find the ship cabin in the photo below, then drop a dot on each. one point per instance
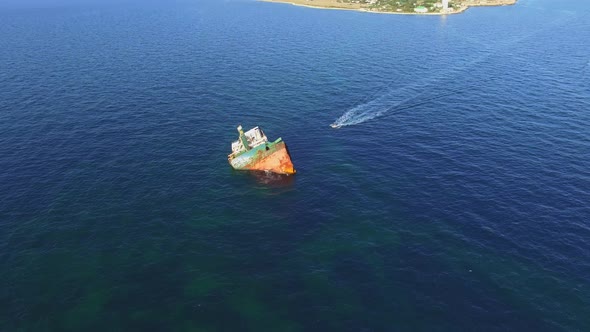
(247, 140)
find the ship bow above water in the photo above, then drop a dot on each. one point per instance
(254, 152)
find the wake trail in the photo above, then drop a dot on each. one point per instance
(396, 98)
(388, 99)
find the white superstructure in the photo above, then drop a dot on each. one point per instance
(254, 137)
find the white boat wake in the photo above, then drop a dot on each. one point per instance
(401, 98)
(378, 106)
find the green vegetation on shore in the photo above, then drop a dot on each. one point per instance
(402, 5)
(434, 7)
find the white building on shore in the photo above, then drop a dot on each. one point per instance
(421, 9)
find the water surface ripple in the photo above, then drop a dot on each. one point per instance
(454, 197)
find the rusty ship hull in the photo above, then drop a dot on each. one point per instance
(263, 156)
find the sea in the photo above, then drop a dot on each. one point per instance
(453, 196)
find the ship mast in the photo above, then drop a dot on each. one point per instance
(243, 138)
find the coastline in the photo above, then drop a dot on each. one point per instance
(359, 8)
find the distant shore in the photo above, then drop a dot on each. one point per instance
(337, 5)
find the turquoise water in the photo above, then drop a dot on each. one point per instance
(454, 197)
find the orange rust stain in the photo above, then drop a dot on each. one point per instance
(278, 162)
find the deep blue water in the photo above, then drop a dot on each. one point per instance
(454, 198)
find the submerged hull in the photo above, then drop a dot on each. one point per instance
(270, 156)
